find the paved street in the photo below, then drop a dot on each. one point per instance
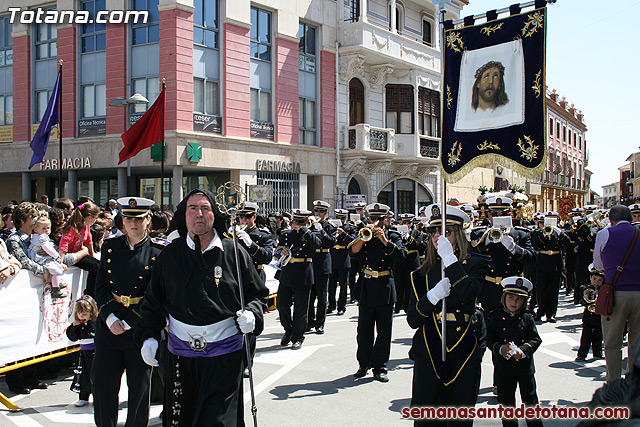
(315, 386)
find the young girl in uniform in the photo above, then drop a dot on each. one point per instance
(76, 239)
(513, 337)
(85, 314)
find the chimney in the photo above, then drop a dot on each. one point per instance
(553, 96)
(563, 103)
(580, 116)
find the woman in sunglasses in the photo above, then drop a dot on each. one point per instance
(452, 382)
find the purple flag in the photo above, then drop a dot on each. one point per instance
(50, 118)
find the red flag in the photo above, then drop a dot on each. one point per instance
(148, 130)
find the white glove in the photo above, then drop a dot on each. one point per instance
(508, 242)
(246, 321)
(111, 319)
(148, 351)
(445, 250)
(126, 325)
(244, 236)
(440, 291)
(318, 226)
(594, 230)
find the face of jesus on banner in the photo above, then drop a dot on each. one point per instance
(491, 88)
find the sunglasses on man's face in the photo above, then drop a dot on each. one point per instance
(319, 210)
(434, 230)
(246, 216)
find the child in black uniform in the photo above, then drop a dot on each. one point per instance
(85, 314)
(591, 326)
(513, 337)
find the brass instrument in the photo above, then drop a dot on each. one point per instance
(366, 233)
(589, 296)
(495, 235)
(547, 230)
(594, 219)
(282, 260)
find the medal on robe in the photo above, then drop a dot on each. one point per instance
(217, 274)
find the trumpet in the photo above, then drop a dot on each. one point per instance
(282, 260)
(495, 235)
(589, 296)
(366, 233)
(547, 230)
(594, 219)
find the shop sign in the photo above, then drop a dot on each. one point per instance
(68, 163)
(92, 127)
(6, 133)
(134, 117)
(206, 123)
(277, 166)
(262, 130)
(53, 135)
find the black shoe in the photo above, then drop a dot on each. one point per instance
(381, 376)
(320, 330)
(330, 310)
(599, 357)
(580, 359)
(23, 390)
(245, 373)
(361, 372)
(296, 345)
(551, 319)
(39, 386)
(340, 312)
(396, 311)
(286, 338)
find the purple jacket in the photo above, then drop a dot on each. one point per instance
(613, 252)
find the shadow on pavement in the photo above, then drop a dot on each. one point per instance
(292, 391)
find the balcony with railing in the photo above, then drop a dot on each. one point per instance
(378, 44)
(561, 181)
(369, 138)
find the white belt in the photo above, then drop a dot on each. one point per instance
(214, 332)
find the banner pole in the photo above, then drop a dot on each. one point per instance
(443, 185)
(162, 161)
(60, 185)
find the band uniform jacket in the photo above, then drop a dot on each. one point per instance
(586, 243)
(550, 249)
(123, 275)
(503, 262)
(339, 253)
(322, 256)
(302, 244)
(184, 285)
(378, 258)
(261, 248)
(466, 278)
(415, 244)
(519, 328)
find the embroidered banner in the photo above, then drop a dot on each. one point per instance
(494, 95)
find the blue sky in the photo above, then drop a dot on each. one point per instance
(593, 59)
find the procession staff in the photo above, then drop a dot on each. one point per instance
(378, 293)
(259, 244)
(195, 285)
(454, 382)
(402, 270)
(321, 266)
(355, 273)
(340, 263)
(508, 256)
(296, 278)
(123, 276)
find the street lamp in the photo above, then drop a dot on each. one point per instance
(136, 98)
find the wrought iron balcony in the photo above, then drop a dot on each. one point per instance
(368, 138)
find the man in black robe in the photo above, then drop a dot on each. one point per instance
(195, 284)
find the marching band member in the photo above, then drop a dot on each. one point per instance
(508, 256)
(355, 283)
(635, 214)
(586, 230)
(513, 337)
(378, 293)
(259, 244)
(321, 266)
(455, 381)
(195, 285)
(549, 243)
(123, 277)
(412, 241)
(296, 278)
(341, 263)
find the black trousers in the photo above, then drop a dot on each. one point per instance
(298, 297)
(108, 366)
(85, 376)
(17, 379)
(507, 393)
(591, 335)
(547, 288)
(317, 315)
(338, 275)
(374, 353)
(204, 391)
(582, 276)
(89, 264)
(402, 280)
(355, 282)
(570, 266)
(429, 391)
